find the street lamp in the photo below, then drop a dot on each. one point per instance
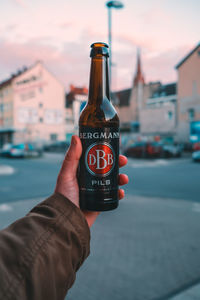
(110, 5)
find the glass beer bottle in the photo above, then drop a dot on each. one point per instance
(99, 134)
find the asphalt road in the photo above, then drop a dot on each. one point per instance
(176, 179)
(147, 249)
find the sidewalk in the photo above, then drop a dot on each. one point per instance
(144, 226)
(190, 294)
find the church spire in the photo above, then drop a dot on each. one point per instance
(139, 78)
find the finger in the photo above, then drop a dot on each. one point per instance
(121, 194)
(122, 160)
(123, 179)
(71, 160)
(91, 216)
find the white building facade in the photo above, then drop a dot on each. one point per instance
(159, 116)
(36, 107)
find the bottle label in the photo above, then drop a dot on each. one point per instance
(99, 160)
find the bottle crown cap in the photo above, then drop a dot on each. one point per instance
(99, 49)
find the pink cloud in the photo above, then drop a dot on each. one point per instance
(20, 3)
(156, 66)
(162, 65)
(157, 15)
(135, 41)
(70, 65)
(65, 25)
(11, 27)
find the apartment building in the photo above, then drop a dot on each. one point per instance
(32, 107)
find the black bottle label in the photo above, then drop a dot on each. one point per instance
(99, 165)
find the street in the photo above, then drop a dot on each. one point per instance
(147, 249)
(175, 178)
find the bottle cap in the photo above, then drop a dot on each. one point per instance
(100, 49)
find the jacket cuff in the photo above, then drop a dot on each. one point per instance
(75, 216)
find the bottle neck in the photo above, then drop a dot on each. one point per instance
(99, 81)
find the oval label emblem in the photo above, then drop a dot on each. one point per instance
(100, 159)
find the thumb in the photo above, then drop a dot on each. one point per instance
(71, 160)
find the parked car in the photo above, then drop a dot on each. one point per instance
(59, 146)
(196, 146)
(5, 151)
(172, 151)
(17, 151)
(144, 150)
(22, 150)
(196, 156)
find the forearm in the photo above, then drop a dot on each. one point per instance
(40, 253)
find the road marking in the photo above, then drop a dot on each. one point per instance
(6, 170)
(5, 207)
(143, 163)
(150, 164)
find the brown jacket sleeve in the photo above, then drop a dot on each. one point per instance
(40, 253)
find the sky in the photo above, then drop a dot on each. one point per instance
(60, 34)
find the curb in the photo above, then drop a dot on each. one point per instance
(191, 293)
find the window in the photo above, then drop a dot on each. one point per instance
(170, 115)
(31, 95)
(27, 96)
(41, 120)
(191, 114)
(53, 137)
(155, 95)
(23, 97)
(194, 88)
(5, 106)
(40, 104)
(40, 89)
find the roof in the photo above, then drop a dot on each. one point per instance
(70, 97)
(122, 98)
(165, 90)
(13, 76)
(5, 82)
(187, 56)
(78, 90)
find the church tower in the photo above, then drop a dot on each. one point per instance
(139, 78)
(133, 99)
(137, 93)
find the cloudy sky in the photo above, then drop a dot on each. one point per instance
(60, 33)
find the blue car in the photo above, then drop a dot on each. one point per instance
(21, 151)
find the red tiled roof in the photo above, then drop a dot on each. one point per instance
(70, 97)
(78, 90)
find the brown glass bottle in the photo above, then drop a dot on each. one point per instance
(99, 134)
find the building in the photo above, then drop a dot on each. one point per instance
(130, 102)
(159, 116)
(32, 107)
(189, 97)
(75, 102)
